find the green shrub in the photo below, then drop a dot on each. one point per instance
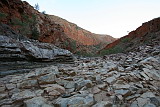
(116, 49)
(35, 34)
(3, 15)
(85, 54)
(73, 45)
(66, 43)
(36, 6)
(27, 26)
(25, 17)
(98, 46)
(125, 40)
(25, 29)
(33, 19)
(43, 12)
(16, 21)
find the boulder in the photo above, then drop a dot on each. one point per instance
(28, 84)
(110, 66)
(3, 95)
(123, 92)
(45, 79)
(110, 80)
(121, 86)
(142, 102)
(10, 86)
(55, 90)
(2, 88)
(120, 69)
(36, 102)
(23, 95)
(70, 84)
(95, 90)
(74, 101)
(43, 71)
(103, 104)
(81, 83)
(149, 105)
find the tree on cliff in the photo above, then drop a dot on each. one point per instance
(43, 12)
(36, 6)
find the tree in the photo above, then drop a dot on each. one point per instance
(36, 6)
(44, 12)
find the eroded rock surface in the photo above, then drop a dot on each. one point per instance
(12, 49)
(118, 80)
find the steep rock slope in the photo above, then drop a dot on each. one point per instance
(144, 34)
(81, 35)
(27, 21)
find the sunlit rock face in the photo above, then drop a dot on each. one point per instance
(24, 19)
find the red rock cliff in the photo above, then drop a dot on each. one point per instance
(139, 36)
(80, 35)
(48, 28)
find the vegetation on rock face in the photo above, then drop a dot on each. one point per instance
(125, 40)
(143, 35)
(85, 54)
(2, 15)
(121, 47)
(35, 34)
(34, 30)
(43, 12)
(27, 26)
(92, 53)
(73, 45)
(128, 44)
(116, 49)
(16, 21)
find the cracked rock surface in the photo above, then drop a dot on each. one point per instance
(118, 80)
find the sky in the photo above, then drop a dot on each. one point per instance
(113, 17)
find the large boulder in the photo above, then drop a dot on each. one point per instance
(36, 102)
(23, 95)
(78, 100)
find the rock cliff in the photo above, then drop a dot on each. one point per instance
(81, 35)
(144, 34)
(27, 21)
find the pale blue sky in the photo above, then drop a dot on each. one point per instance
(113, 17)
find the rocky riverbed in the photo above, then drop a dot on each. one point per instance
(119, 80)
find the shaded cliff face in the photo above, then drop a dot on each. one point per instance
(27, 21)
(144, 34)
